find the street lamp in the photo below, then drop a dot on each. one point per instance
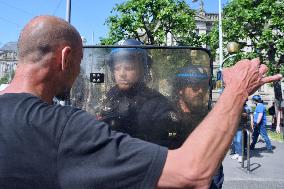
(220, 33)
(220, 37)
(232, 48)
(68, 11)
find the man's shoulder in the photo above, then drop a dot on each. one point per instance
(17, 98)
(34, 109)
(260, 107)
(158, 100)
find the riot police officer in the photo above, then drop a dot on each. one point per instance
(131, 106)
(192, 87)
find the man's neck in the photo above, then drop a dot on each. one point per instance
(29, 85)
(42, 96)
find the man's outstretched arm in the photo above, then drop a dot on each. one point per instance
(193, 165)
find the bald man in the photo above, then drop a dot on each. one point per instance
(50, 146)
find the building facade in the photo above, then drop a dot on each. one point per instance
(8, 62)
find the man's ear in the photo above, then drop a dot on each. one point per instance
(66, 57)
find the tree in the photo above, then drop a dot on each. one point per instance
(150, 21)
(259, 25)
(4, 79)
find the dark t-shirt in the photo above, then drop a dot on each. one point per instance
(50, 146)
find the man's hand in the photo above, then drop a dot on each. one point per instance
(248, 76)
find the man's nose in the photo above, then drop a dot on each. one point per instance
(122, 72)
(200, 90)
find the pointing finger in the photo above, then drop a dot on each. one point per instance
(271, 78)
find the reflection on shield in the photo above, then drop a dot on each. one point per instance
(158, 94)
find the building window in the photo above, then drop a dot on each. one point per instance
(197, 31)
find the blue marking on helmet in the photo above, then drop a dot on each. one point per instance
(193, 75)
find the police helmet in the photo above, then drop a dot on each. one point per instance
(256, 98)
(131, 55)
(191, 76)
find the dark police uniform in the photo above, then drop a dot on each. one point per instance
(143, 113)
(189, 121)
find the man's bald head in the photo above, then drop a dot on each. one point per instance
(43, 35)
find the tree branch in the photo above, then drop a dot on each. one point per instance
(148, 32)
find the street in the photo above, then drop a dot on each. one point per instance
(267, 169)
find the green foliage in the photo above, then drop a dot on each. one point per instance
(212, 40)
(239, 56)
(259, 24)
(168, 62)
(4, 79)
(278, 137)
(150, 21)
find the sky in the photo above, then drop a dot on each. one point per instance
(88, 16)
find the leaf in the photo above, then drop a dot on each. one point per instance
(154, 18)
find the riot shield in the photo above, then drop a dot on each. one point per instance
(157, 94)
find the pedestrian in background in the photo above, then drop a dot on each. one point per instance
(259, 122)
(237, 142)
(280, 124)
(272, 112)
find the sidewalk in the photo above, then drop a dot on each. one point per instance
(267, 169)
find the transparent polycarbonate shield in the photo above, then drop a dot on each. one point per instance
(158, 94)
